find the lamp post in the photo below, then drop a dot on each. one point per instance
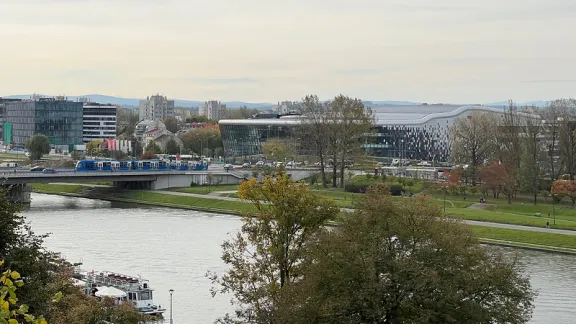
(171, 291)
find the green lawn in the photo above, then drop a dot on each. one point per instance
(526, 237)
(509, 218)
(56, 188)
(203, 190)
(187, 202)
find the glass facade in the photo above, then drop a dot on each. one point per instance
(247, 140)
(59, 120)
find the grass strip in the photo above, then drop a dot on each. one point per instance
(187, 202)
(56, 188)
(508, 218)
(526, 238)
(203, 190)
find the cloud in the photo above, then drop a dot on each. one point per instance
(359, 71)
(193, 80)
(549, 81)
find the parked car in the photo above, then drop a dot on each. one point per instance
(37, 169)
(246, 165)
(48, 170)
(260, 163)
(228, 166)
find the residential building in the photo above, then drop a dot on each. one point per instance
(418, 132)
(117, 145)
(3, 102)
(99, 121)
(57, 118)
(211, 109)
(285, 107)
(156, 107)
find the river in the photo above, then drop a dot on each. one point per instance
(175, 248)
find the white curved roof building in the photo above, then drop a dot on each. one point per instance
(419, 132)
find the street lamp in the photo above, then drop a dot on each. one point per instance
(171, 291)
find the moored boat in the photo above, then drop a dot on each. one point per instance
(121, 288)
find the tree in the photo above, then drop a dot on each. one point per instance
(392, 262)
(76, 155)
(267, 255)
(10, 281)
(278, 150)
(153, 148)
(314, 130)
(566, 133)
(38, 145)
(530, 171)
(564, 188)
(22, 249)
(498, 178)
(472, 140)
(93, 146)
(171, 124)
(196, 140)
(353, 120)
(172, 147)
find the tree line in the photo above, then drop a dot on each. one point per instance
(522, 150)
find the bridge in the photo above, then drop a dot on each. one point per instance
(19, 191)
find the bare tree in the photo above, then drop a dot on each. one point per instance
(472, 139)
(552, 120)
(314, 130)
(533, 149)
(566, 142)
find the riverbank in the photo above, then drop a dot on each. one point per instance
(522, 237)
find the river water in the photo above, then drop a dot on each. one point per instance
(175, 248)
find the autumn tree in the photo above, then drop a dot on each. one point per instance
(195, 140)
(266, 256)
(498, 178)
(565, 188)
(393, 262)
(473, 140)
(278, 150)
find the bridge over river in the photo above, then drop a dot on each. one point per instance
(18, 180)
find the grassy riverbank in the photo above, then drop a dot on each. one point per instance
(514, 237)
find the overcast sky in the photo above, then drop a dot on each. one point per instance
(458, 51)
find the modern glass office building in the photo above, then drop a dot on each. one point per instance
(419, 132)
(59, 119)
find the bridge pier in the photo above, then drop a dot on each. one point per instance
(19, 193)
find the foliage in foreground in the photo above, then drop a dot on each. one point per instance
(48, 289)
(268, 254)
(389, 262)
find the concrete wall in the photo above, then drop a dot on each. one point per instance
(174, 181)
(19, 193)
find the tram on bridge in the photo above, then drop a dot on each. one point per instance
(139, 165)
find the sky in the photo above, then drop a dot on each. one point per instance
(441, 51)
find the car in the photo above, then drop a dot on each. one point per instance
(37, 169)
(228, 166)
(245, 165)
(260, 163)
(48, 170)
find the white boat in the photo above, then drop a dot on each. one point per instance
(121, 288)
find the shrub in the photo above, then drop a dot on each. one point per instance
(356, 187)
(396, 190)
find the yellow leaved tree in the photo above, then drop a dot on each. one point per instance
(10, 281)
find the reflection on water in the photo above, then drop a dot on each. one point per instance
(174, 249)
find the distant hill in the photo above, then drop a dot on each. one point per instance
(537, 103)
(134, 102)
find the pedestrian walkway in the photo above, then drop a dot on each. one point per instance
(469, 222)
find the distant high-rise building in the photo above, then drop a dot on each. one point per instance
(57, 118)
(3, 102)
(285, 107)
(211, 109)
(99, 121)
(156, 107)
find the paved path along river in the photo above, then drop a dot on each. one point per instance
(174, 249)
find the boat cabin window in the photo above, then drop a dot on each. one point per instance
(145, 295)
(132, 296)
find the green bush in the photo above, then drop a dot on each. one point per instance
(396, 190)
(356, 187)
